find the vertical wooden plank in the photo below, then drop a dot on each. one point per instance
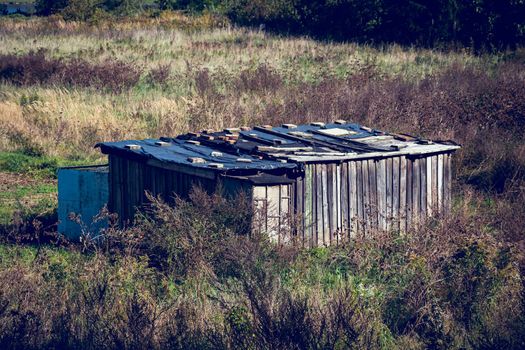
(169, 185)
(265, 212)
(440, 183)
(273, 199)
(138, 188)
(323, 224)
(122, 199)
(146, 181)
(124, 188)
(327, 194)
(158, 181)
(335, 207)
(118, 188)
(112, 184)
(430, 203)
(339, 210)
(366, 197)
(372, 173)
(308, 205)
(123, 192)
(313, 206)
(409, 204)
(299, 209)
(446, 193)
(259, 199)
(445, 156)
(435, 203)
(153, 174)
(153, 181)
(381, 193)
(142, 182)
(402, 193)
(132, 189)
(423, 184)
(329, 223)
(284, 197)
(389, 193)
(416, 191)
(360, 196)
(396, 195)
(292, 228)
(315, 202)
(354, 198)
(345, 199)
(279, 214)
(332, 201)
(448, 188)
(301, 199)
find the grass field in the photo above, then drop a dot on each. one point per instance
(188, 281)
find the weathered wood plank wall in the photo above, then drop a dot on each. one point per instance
(274, 211)
(129, 180)
(332, 202)
(335, 201)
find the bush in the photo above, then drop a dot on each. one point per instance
(86, 9)
(36, 68)
(80, 9)
(262, 79)
(189, 239)
(159, 75)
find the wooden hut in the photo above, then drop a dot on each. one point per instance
(332, 179)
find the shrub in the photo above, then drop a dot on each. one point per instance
(29, 69)
(110, 75)
(80, 9)
(35, 68)
(188, 239)
(159, 75)
(261, 79)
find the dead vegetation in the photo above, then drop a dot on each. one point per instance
(184, 279)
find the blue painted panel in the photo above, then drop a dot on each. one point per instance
(82, 191)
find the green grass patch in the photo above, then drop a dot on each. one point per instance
(29, 200)
(41, 167)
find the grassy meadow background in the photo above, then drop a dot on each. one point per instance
(186, 279)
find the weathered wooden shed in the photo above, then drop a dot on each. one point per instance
(329, 180)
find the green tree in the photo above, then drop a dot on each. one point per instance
(81, 9)
(49, 7)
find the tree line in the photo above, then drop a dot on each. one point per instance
(481, 24)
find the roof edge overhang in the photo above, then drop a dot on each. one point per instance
(439, 149)
(262, 179)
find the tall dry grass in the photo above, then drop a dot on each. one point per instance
(222, 77)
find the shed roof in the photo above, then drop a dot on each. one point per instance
(267, 148)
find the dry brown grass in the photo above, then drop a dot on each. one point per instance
(222, 77)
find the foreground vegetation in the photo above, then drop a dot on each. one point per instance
(187, 279)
